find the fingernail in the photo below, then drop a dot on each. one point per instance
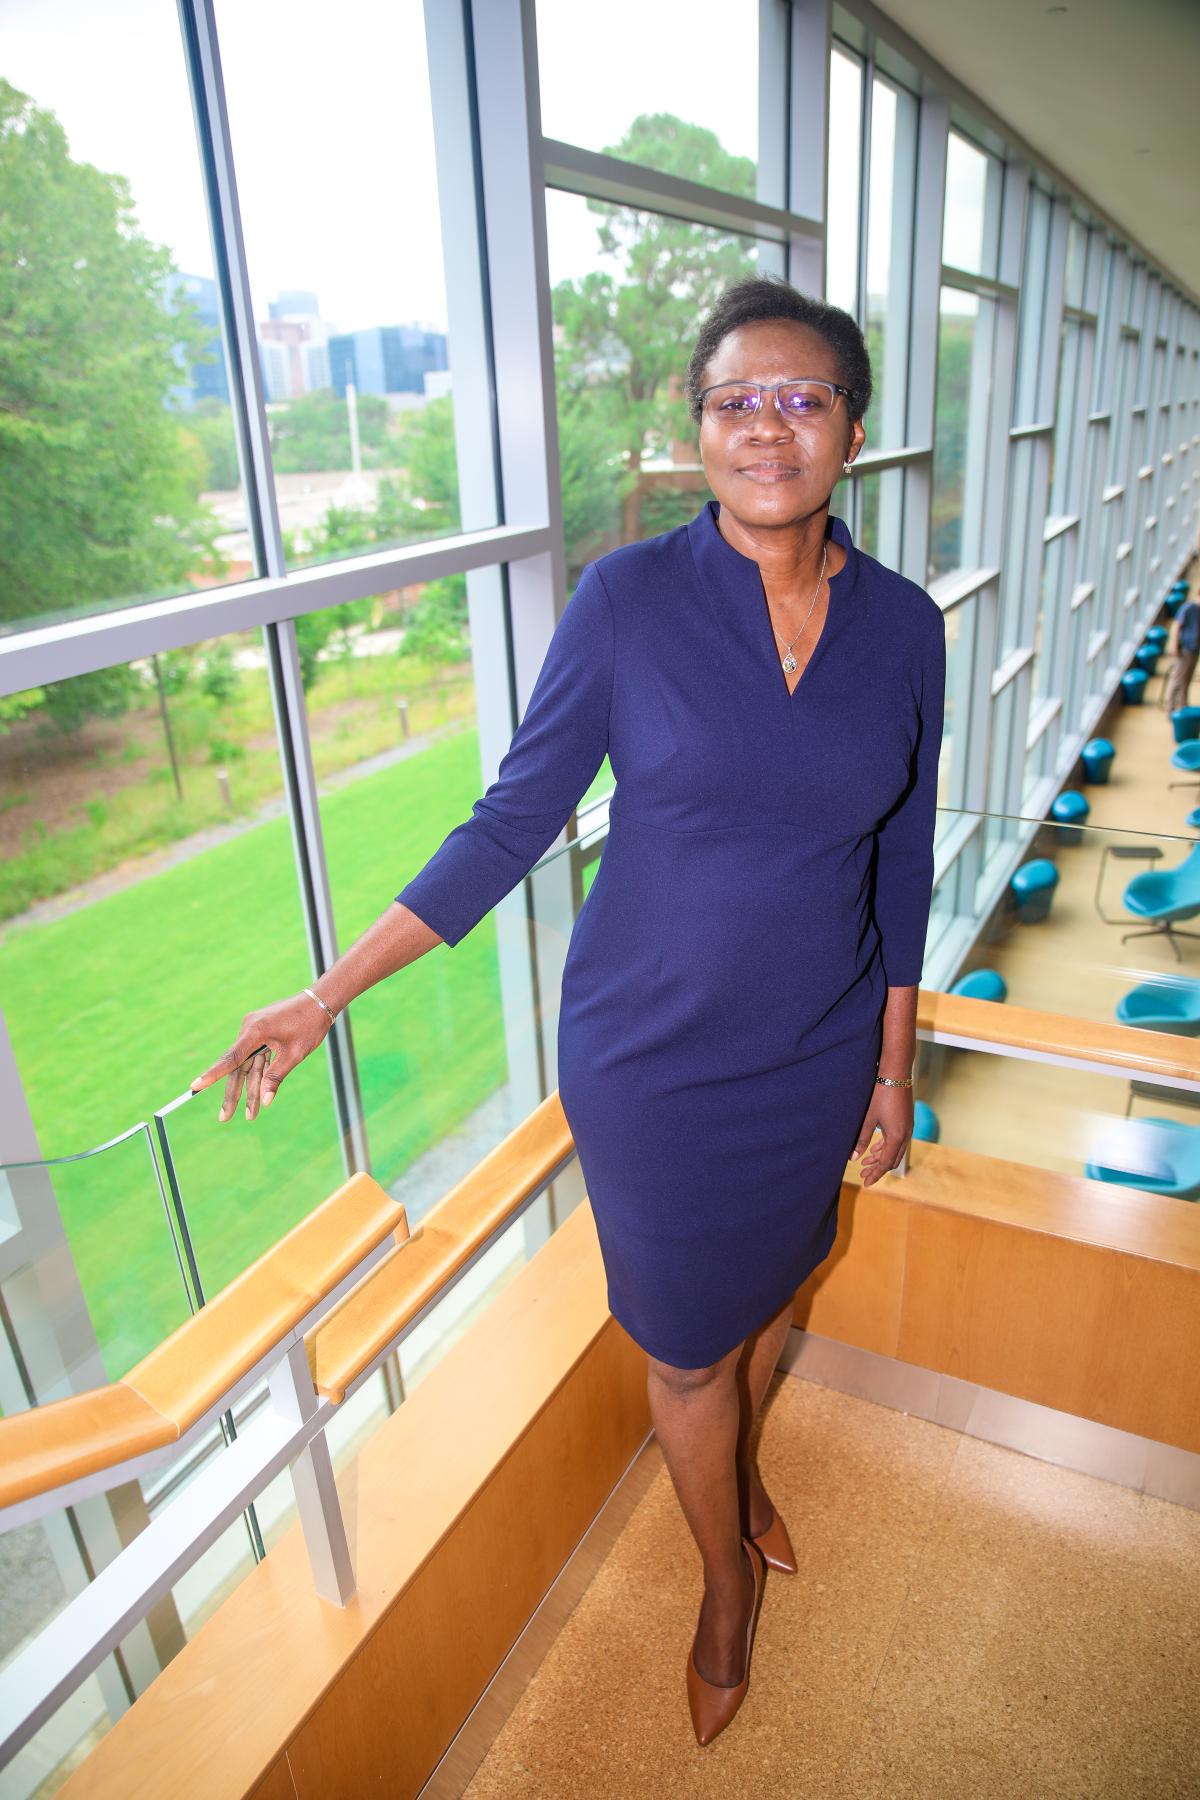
(222, 1115)
(267, 1098)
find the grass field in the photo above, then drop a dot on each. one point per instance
(115, 1008)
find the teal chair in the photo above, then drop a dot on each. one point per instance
(925, 1122)
(1069, 811)
(1158, 1155)
(1156, 635)
(982, 984)
(1133, 686)
(1186, 757)
(1097, 758)
(1185, 723)
(1164, 897)
(1033, 886)
(1147, 658)
(1171, 1006)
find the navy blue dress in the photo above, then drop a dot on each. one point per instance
(767, 873)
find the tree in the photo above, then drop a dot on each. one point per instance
(210, 424)
(312, 432)
(423, 499)
(98, 501)
(622, 334)
(435, 628)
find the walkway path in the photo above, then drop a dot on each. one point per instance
(140, 868)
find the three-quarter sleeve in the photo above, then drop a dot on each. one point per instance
(904, 857)
(549, 765)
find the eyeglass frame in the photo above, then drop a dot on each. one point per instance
(773, 387)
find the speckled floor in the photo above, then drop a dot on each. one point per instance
(967, 1622)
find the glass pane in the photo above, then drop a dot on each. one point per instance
(960, 430)
(971, 233)
(113, 490)
(1026, 396)
(889, 258)
(961, 626)
(879, 516)
(104, 1286)
(842, 206)
(664, 106)
(448, 1050)
(629, 288)
(350, 310)
(1077, 243)
(149, 889)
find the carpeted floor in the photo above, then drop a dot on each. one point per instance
(967, 1622)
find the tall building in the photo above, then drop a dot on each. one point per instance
(386, 359)
(292, 303)
(206, 377)
(275, 361)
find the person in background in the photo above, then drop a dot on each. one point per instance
(1183, 644)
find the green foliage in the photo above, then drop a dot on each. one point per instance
(425, 500)
(210, 425)
(312, 432)
(218, 675)
(106, 695)
(98, 500)
(623, 335)
(435, 628)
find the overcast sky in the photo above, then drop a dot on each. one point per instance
(329, 112)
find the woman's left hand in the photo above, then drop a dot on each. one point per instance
(892, 1110)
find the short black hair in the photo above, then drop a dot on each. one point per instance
(760, 297)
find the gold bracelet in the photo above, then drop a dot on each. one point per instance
(891, 1080)
(320, 1003)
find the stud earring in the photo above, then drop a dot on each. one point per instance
(846, 468)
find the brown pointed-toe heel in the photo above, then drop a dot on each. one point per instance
(711, 1705)
(776, 1546)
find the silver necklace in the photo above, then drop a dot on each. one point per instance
(789, 661)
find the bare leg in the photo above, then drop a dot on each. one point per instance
(760, 1355)
(696, 1420)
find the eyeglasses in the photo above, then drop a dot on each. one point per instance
(732, 402)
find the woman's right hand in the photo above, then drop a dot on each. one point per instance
(269, 1046)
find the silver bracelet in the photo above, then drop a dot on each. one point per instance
(320, 1002)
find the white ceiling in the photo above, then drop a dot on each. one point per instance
(1107, 90)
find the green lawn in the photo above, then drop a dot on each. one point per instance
(115, 1008)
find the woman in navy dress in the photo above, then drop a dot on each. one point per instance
(738, 1011)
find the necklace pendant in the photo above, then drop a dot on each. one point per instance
(789, 662)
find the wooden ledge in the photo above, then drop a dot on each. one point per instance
(176, 1384)
(1098, 1213)
(354, 1333)
(208, 1354)
(1021, 1027)
(68, 1439)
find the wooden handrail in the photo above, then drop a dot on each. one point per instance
(358, 1330)
(173, 1387)
(1124, 1047)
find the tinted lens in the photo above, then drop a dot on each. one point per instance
(733, 401)
(804, 399)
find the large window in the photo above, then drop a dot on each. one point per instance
(150, 900)
(348, 289)
(673, 103)
(889, 258)
(628, 289)
(960, 430)
(120, 460)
